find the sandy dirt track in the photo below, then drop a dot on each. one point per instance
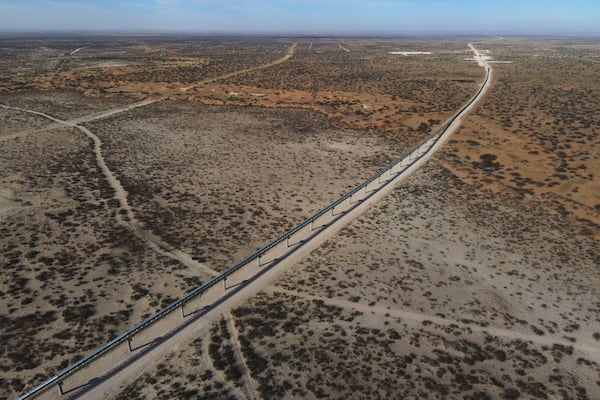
(290, 53)
(153, 241)
(589, 349)
(249, 383)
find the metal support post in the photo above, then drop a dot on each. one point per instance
(311, 226)
(332, 211)
(258, 261)
(129, 345)
(182, 311)
(225, 283)
(287, 241)
(60, 388)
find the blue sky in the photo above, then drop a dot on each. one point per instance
(304, 16)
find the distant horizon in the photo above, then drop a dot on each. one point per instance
(284, 34)
(303, 17)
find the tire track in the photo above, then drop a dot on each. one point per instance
(220, 376)
(290, 53)
(420, 317)
(153, 241)
(249, 383)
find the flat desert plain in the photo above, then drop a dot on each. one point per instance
(478, 277)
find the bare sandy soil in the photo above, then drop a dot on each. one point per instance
(219, 182)
(459, 285)
(438, 292)
(65, 260)
(59, 103)
(452, 287)
(538, 130)
(16, 124)
(435, 293)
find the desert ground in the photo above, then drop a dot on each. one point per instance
(477, 278)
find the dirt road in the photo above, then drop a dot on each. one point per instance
(290, 53)
(343, 48)
(152, 240)
(549, 340)
(78, 50)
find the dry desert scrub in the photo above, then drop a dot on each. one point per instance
(218, 182)
(477, 278)
(72, 277)
(537, 130)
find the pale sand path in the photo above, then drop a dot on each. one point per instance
(343, 48)
(247, 282)
(588, 348)
(290, 53)
(118, 110)
(220, 376)
(154, 242)
(113, 111)
(249, 383)
(61, 122)
(78, 50)
(73, 122)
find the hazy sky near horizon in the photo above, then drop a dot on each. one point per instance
(304, 16)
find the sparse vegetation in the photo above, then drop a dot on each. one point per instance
(477, 278)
